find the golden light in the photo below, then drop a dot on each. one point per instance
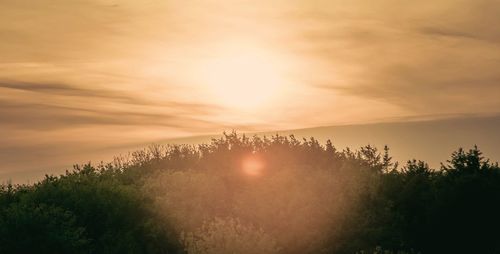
(253, 166)
(242, 78)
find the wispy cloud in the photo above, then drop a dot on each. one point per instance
(425, 58)
(99, 94)
(54, 117)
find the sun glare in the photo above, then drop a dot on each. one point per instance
(243, 78)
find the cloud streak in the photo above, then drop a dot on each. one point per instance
(120, 96)
(424, 58)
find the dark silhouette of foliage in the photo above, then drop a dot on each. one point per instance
(86, 211)
(370, 205)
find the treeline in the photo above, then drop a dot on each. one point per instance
(307, 198)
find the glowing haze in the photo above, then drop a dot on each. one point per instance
(79, 76)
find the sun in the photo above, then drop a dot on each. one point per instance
(242, 78)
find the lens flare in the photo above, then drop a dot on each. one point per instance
(252, 166)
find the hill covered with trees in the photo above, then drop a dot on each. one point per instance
(258, 195)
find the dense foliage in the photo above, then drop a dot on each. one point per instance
(308, 198)
(87, 211)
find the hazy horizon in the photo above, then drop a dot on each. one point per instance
(430, 140)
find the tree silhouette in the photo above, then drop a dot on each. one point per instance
(312, 198)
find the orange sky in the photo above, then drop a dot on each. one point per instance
(106, 73)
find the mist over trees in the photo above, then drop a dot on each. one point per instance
(306, 197)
